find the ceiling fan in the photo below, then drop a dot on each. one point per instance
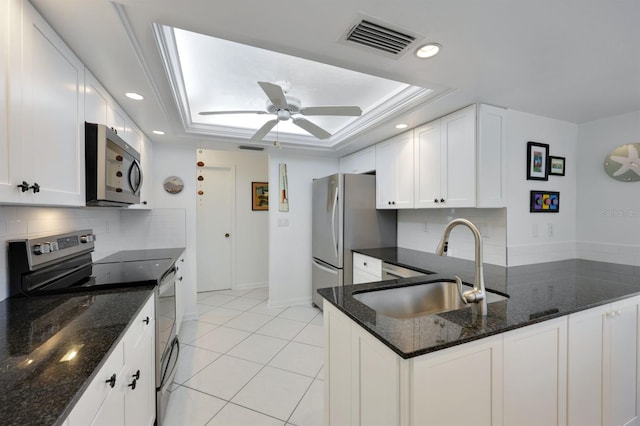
(285, 107)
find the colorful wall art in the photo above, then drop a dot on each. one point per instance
(544, 202)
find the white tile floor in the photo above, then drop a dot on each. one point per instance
(244, 363)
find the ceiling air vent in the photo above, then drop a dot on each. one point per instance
(251, 148)
(379, 37)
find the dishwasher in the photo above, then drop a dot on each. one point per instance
(392, 272)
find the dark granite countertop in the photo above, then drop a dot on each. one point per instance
(536, 293)
(38, 388)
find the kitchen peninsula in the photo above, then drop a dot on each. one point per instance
(566, 338)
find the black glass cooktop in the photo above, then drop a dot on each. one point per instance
(129, 273)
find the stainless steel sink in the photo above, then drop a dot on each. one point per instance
(418, 299)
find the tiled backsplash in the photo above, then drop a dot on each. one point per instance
(115, 229)
(421, 229)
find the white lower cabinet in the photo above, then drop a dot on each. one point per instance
(580, 369)
(128, 398)
(458, 386)
(366, 269)
(369, 384)
(603, 386)
(534, 374)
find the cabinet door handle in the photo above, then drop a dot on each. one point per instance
(137, 375)
(35, 187)
(132, 385)
(146, 320)
(111, 380)
(24, 186)
(435, 200)
(442, 200)
(180, 279)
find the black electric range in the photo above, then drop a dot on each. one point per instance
(62, 263)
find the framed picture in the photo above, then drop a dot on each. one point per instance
(259, 195)
(537, 161)
(556, 166)
(544, 202)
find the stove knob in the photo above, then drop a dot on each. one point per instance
(89, 238)
(54, 246)
(43, 248)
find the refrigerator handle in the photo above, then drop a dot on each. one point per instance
(324, 268)
(333, 220)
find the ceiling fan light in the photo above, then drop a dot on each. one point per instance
(428, 50)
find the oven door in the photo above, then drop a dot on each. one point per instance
(165, 317)
(167, 346)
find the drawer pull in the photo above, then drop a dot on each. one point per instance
(146, 320)
(111, 380)
(137, 375)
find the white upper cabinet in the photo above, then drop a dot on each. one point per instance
(6, 184)
(394, 172)
(428, 159)
(96, 100)
(445, 161)
(363, 161)
(492, 156)
(46, 113)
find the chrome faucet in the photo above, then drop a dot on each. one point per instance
(476, 296)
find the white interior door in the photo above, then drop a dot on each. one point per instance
(215, 228)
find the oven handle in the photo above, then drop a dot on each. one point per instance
(168, 273)
(175, 345)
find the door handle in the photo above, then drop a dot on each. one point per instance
(227, 235)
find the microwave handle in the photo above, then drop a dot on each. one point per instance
(136, 164)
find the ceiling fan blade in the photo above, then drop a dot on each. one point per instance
(349, 111)
(314, 129)
(262, 131)
(231, 112)
(275, 94)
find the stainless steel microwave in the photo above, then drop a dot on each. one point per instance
(113, 171)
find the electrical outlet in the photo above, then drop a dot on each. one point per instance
(534, 230)
(549, 230)
(283, 222)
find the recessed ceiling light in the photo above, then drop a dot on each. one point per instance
(158, 132)
(402, 126)
(135, 96)
(428, 50)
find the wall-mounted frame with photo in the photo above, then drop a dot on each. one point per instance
(556, 165)
(259, 195)
(537, 161)
(544, 202)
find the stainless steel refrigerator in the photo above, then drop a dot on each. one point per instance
(345, 218)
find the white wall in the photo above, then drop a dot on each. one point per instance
(608, 211)
(32, 222)
(290, 233)
(251, 228)
(556, 232)
(169, 160)
(422, 229)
